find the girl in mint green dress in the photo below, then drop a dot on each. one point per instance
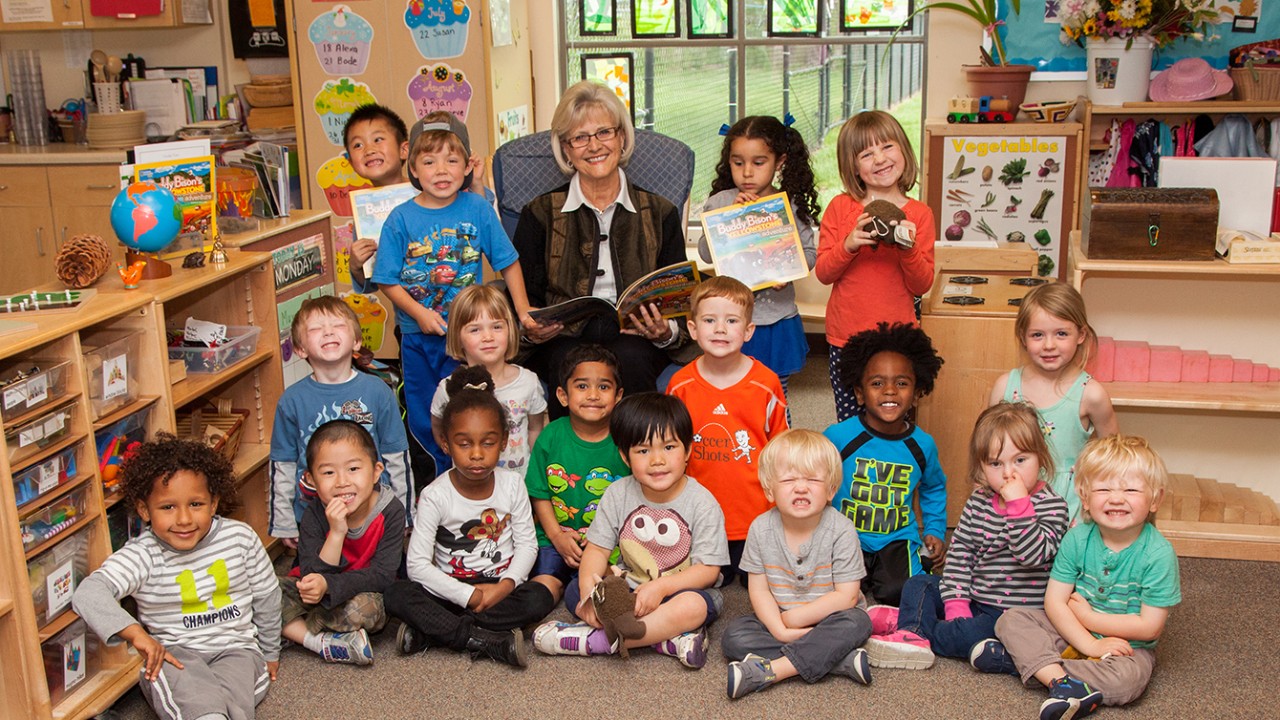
(1073, 407)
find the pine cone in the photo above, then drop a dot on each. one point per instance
(82, 260)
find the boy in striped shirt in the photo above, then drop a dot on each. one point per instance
(805, 566)
(208, 626)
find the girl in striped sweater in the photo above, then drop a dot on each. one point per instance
(1001, 551)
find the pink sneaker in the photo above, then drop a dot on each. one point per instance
(884, 619)
(900, 649)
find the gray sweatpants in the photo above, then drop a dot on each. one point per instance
(1033, 643)
(813, 655)
(229, 683)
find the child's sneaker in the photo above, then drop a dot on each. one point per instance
(348, 647)
(561, 638)
(884, 619)
(504, 646)
(855, 665)
(689, 648)
(748, 675)
(409, 641)
(902, 649)
(989, 656)
(1069, 698)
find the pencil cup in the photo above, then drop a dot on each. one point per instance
(108, 96)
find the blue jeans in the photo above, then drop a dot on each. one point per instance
(813, 655)
(922, 613)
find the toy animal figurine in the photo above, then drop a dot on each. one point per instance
(193, 260)
(615, 607)
(883, 216)
(132, 274)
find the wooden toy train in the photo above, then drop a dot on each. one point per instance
(983, 109)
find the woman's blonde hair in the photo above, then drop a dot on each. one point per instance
(1119, 455)
(576, 103)
(473, 302)
(1059, 300)
(802, 451)
(867, 128)
(1021, 425)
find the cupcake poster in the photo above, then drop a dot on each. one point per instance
(336, 101)
(438, 27)
(440, 87)
(341, 39)
(337, 179)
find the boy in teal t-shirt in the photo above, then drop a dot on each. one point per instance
(573, 461)
(1110, 591)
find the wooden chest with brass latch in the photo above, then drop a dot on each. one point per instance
(1149, 223)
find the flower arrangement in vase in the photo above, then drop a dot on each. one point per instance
(1160, 21)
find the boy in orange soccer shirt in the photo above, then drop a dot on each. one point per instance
(737, 406)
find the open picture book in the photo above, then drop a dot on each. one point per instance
(669, 288)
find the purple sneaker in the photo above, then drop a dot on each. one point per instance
(689, 648)
(560, 638)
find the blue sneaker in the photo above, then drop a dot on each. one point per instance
(989, 656)
(1069, 698)
(348, 647)
(748, 675)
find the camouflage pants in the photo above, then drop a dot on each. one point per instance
(365, 610)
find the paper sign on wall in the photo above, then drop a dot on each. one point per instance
(341, 38)
(337, 179)
(440, 87)
(372, 316)
(336, 101)
(439, 27)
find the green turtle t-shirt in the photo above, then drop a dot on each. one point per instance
(572, 473)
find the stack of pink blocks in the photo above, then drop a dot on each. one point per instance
(1137, 361)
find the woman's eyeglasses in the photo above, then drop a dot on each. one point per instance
(582, 140)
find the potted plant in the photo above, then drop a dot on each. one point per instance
(995, 77)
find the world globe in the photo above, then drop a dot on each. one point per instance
(146, 217)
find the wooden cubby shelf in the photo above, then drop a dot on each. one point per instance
(239, 293)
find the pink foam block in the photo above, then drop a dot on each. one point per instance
(1241, 370)
(1220, 368)
(1195, 366)
(1102, 365)
(1133, 361)
(1260, 372)
(1166, 363)
(1273, 374)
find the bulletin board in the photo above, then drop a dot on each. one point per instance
(1031, 38)
(956, 179)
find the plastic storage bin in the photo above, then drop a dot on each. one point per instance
(55, 574)
(54, 520)
(242, 341)
(111, 368)
(35, 389)
(32, 437)
(114, 440)
(46, 475)
(70, 659)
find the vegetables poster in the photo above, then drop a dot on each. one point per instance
(1007, 189)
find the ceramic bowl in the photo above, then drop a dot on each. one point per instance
(1048, 112)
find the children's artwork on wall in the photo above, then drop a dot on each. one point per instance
(500, 22)
(337, 179)
(655, 18)
(614, 71)
(794, 18)
(341, 38)
(440, 87)
(343, 237)
(597, 17)
(863, 15)
(513, 123)
(336, 101)
(257, 28)
(710, 18)
(439, 27)
(372, 316)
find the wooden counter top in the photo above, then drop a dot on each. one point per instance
(58, 154)
(269, 228)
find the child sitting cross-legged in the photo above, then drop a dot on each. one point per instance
(1112, 585)
(348, 551)
(805, 566)
(670, 534)
(473, 544)
(1001, 551)
(208, 619)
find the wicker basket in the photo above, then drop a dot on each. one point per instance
(1256, 83)
(275, 95)
(219, 426)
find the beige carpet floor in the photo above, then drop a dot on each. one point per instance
(1214, 661)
